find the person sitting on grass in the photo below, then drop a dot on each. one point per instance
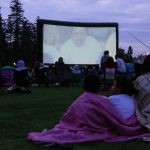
(122, 99)
(142, 97)
(91, 117)
(20, 79)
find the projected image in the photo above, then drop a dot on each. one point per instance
(77, 45)
(51, 51)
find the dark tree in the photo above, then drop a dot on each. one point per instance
(27, 39)
(35, 50)
(18, 36)
(14, 27)
(2, 40)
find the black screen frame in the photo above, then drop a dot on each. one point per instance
(41, 22)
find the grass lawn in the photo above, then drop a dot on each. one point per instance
(22, 113)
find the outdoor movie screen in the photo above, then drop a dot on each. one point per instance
(77, 43)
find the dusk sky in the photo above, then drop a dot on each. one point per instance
(133, 16)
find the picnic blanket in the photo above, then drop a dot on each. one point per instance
(91, 118)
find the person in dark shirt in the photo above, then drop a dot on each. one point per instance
(104, 57)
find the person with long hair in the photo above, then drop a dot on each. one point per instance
(142, 98)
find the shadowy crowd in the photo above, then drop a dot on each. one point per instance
(23, 78)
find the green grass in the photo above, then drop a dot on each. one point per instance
(22, 113)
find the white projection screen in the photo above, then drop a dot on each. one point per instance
(76, 42)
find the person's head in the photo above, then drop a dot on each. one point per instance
(146, 64)
(110, 60)
(123, 85)
(78, 36)
(91, 83)
(106, 53)
(20, 63)
(60, 60)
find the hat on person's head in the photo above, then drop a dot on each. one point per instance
(106, 52)
(20, 63)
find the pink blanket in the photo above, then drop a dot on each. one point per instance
(91, 118)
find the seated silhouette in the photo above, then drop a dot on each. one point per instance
(63, 73)
(21, 81)
(40, 76)
(109, 72)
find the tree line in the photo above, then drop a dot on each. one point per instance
(18, 36)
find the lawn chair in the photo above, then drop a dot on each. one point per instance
(6, 76)
(108, 78)
(21, 82)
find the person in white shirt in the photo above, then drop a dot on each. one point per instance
(80, 48)
(121, 64)
(122, 100)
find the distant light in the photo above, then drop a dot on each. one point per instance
(145, 53)
(14, 64)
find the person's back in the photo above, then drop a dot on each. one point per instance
(123, 100)
(104, 57)
(21, 79)
(60, 66)
(109, 70)
(121, 64)
(63, 72)
(124, 104)
(41, 75)
(109, 64)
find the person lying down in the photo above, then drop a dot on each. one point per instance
(91, 117)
